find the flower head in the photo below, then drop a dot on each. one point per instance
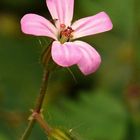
(66, 52)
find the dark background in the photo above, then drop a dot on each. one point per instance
(102, 106)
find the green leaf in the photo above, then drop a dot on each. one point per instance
(2, 137)
(96, 116)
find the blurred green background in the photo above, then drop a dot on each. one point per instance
(102, 106)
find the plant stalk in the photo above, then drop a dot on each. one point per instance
(38, 106)
(47, 129)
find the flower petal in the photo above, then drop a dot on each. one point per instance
(92, 25)
(90, 59)
(37, 25)
(61, 10)
(66, 54)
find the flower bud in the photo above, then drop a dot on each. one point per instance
(57, 134)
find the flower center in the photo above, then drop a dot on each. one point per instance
(65, 33)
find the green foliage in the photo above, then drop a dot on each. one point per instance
(111, 113)
(3, 137)
(95, 116)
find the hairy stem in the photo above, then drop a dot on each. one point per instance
(38, 105)
(42, 91)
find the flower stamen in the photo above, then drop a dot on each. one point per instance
(66, 33)
(62, 26)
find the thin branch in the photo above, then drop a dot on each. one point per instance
(38, 106)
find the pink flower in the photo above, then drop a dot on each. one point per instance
(65, 51)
